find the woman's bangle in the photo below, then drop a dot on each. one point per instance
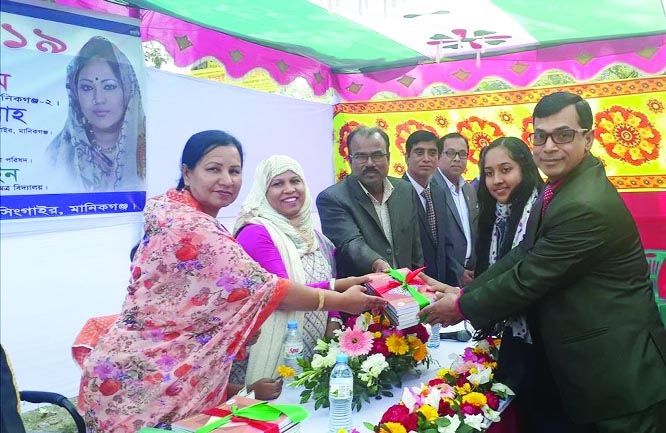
(321, 300)
(336, 320)
(331, 284)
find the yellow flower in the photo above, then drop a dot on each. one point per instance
(473, 370)
(465, 389)
(429, 412)
(475, 399)
(420, 351)
(386, 322)
(285, 372)
(441, 374)
(392, 427)
(377, 334)
(397, 344)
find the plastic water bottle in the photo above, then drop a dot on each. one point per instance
(433, 340)
(293, 346)
(340, 393)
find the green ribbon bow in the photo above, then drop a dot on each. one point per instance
(420, 299)
(260, 412)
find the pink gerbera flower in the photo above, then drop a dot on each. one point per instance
(355, 342)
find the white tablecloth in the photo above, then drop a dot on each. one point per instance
(372, 412)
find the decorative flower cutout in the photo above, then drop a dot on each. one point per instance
(627, 135)
(480, 133)
(342, 174)
(442, 122)
(381, 123)
(403, 130)
(655, 105)
(528, 128)
(399, 168)
(346, 129)
(506, 117)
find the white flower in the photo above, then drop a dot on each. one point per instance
(490, 414)
(501, 389)
(321, 346)
(318, 361)
(481, 377)
(330, 358)
(451, 428)
(474, 421)
(374, 364)
(409, 397)
(433, 397)
(483, 345)
(361, 323)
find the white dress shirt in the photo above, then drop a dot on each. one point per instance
(463, 211)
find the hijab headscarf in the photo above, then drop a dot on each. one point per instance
(257, 210)
(74, 153)
(293, 239)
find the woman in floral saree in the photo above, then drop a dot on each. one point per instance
(194, 299)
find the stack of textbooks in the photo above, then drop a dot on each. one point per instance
(194, 423)
(402, 308)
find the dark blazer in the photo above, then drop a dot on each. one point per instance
(581, 273)
(454, 223)
(436, 252)
(349, 220)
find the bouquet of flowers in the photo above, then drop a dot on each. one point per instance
(379, 354)
(461, 399)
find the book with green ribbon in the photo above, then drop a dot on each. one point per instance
(405, 292)
(244, 415)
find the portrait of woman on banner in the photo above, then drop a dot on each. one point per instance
(102, 146)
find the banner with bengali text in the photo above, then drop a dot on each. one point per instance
(629, 123)
(72, 124)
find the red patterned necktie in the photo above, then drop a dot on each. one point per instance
(547, 197)
(430, 212)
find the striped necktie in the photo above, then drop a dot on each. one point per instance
(547, 197)
(430, 212)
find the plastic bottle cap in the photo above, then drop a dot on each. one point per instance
(292, 324)
(342, 358)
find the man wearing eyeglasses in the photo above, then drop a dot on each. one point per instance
(462, 203)
(371, 217)
(581, 277)
(423, 153)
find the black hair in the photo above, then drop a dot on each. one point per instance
(203, 142)
(555, 102)
(365, 131)
(521, 154)
(420, 137)
(453, 135)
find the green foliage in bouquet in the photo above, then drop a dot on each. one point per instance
(379, 355)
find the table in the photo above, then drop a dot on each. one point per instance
(373, 411)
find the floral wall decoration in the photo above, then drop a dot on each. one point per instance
(629, 125)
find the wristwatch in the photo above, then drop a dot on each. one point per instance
(336, 320)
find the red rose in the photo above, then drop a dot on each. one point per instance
(379, 346)
(375, 327)
(470, 409)
(400, 414)
(493, 400)
(445, 409)
(187, 252)
(461, 381)
(420, 331)
(174, 389)
(237, 295)
(435, 382)
(109, 387)
(182, 370)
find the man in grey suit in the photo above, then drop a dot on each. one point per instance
(369, 216)
(423, 153)
(461, 201)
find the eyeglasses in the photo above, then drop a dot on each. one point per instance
(561, 136)
(433, 153)
(363, 157)
(451, 153)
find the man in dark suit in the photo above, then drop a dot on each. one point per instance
(462, 203)
(582, 277)
(423, 153)
(369, 216)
